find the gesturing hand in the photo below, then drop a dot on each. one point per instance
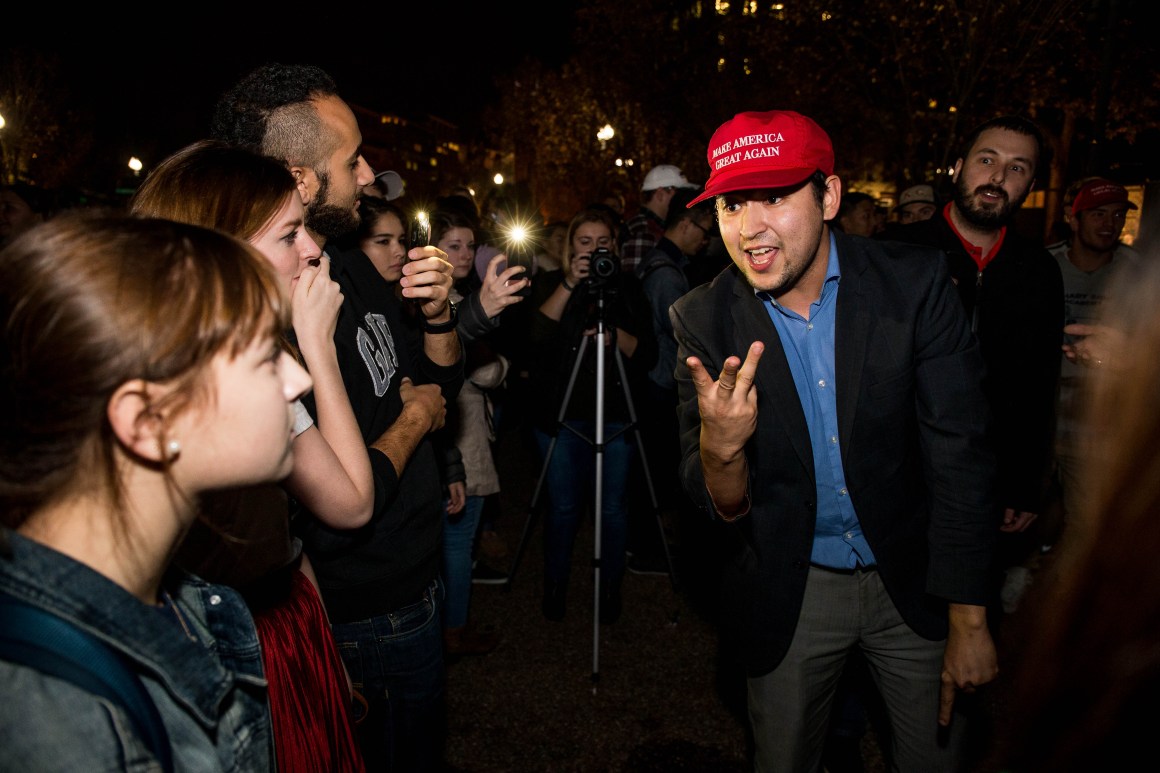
(1095, 346)
(728, 406)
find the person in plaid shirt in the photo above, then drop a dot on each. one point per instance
(647, 226)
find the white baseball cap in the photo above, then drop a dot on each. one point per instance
(390, 182)
(917, 194)
(666, 176)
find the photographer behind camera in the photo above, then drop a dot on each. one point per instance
(568, 304)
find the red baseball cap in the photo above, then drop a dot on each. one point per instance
(1099, 192)
(774, 149)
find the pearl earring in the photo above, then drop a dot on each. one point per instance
(173, 448)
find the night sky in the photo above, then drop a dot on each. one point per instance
(150, 84)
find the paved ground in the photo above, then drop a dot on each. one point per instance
(650, 693)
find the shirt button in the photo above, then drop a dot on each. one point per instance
(822, 383)
(842, 491)
(849, 535)
(214, 600)
(833, 438)
(809, 326)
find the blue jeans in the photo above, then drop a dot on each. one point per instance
(571, 481)
(458, 541)
(396, 662)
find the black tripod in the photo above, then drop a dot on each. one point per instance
(598, 443)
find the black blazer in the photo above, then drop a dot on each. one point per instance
(1017, 306)
(912, 420)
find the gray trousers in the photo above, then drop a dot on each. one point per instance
(790, 707)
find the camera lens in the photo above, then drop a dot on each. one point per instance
(603, 263)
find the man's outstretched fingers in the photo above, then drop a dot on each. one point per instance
(748, 370)
(697, 372)
(728, 380)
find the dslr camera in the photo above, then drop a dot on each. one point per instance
(603, 265)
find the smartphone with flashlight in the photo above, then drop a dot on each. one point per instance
(518, 246)
(419, 230)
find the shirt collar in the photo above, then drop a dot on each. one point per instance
(976, 253)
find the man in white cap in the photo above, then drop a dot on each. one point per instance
(845, 456)
(387, 185)
(647, 226)
(917, 202)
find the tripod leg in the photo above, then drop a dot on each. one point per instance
(531, 516)
(635, 425)
(598, 504)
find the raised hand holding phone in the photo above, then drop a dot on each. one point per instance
(503, 285)
(418, 231)
(427, 277)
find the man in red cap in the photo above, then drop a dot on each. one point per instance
(1087, 260)
(845, 454)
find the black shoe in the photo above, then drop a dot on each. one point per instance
(482, 574)
(554, 606)
(647, 564)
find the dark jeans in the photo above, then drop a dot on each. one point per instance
(458, 542)
(396, 663)
(571, 486)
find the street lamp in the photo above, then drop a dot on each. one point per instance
(604, 134)
(136, 165)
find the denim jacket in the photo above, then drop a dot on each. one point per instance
(201, 665)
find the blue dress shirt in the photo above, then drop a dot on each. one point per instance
(809, 348)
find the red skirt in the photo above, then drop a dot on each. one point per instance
(309, 696)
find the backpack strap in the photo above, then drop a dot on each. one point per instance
(34, 637)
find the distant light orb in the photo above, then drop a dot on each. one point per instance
(498, 179)
(605, 133)
(136, 165)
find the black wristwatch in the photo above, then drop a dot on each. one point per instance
(442, 327)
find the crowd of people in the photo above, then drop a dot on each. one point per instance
(248, 480)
